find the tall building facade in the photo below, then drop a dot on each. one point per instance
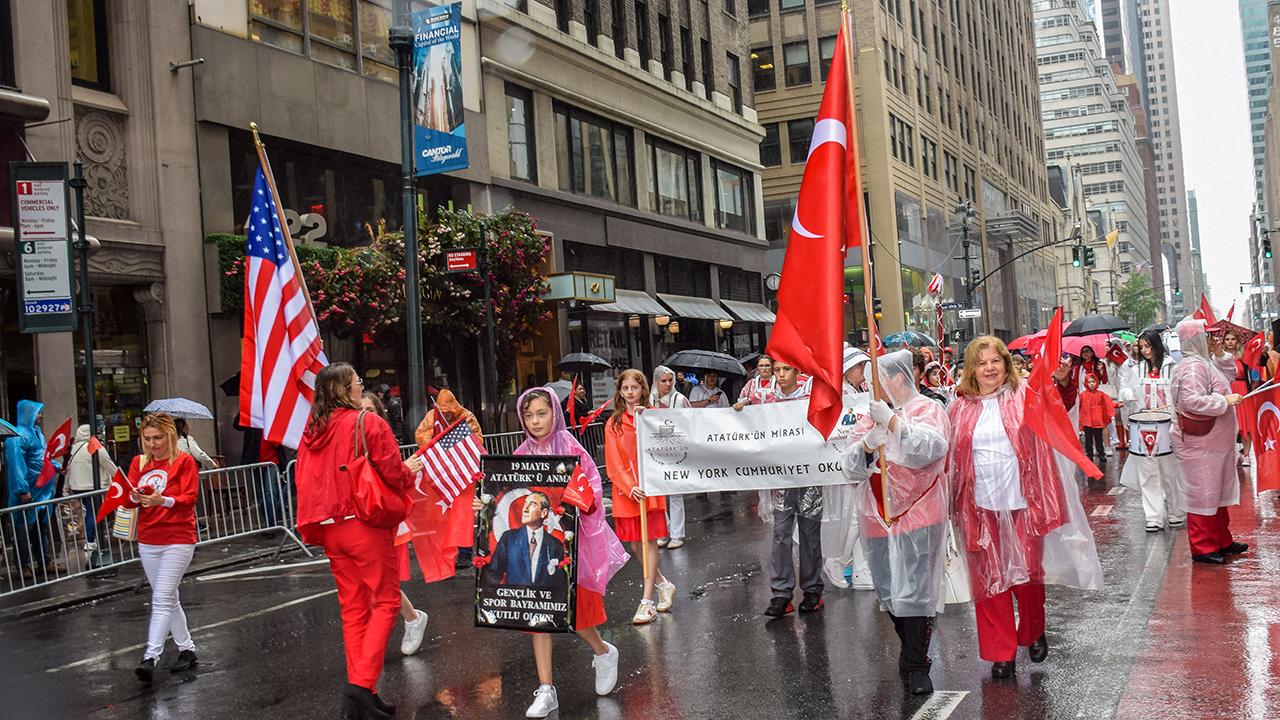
(1090, 133)
(948, 114)
(1268, 226)
(1255, 32)
(1138, 34)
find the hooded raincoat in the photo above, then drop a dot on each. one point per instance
(442, 416)
(24, 458)
(1200, 385)
(907, 557)
(80, 466)
(600, 553)
(674, 399)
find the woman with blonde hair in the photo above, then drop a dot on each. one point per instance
(167, 484)
(621, 454)
(1008, 497)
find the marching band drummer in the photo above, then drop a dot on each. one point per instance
(1146, 391)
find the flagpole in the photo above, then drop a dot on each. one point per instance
(864, 242)
(284, 225)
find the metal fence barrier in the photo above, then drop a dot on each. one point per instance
(57, 539)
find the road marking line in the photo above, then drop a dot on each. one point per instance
(940, 705)
(198, 631)
(1101, 511)
(259, 570)
(1116, 490)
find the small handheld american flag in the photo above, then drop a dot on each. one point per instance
(451, 461)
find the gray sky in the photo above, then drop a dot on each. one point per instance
(1216, 150)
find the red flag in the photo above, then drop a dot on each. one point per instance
(1205, 312)
(1264, 408)
(579, 492)
(1044, 412)
(1253, 350)
(58, 445)
(592, 417)
(1232, 311)
(809, 332)
(94, 445)
(573, 405)
(440, 518)
(117, 494)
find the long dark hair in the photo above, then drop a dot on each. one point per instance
(331, 394)
(1156, 342)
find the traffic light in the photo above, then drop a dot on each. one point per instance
(975, 277)
(1088, 257)
(877, 308)
(1075, 256)
(1266, 247)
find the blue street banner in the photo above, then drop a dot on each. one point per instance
(440, 131)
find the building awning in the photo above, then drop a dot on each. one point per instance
(749, 311)
(693, 307)
(632, 302)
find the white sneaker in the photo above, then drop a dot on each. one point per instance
(90, 547)
(544, 702)
(675, 543)
(414, 630)
(833, 570)
(606, 666)
(862, 579)
(666, 596)
(645, 613)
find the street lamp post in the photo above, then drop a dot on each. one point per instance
(965, 208)
(78, 184)
(401, 41)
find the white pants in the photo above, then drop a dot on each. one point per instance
(165, 565)
(675, 517)
(1160, 481)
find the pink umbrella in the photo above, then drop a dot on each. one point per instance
(1074, 345)
(1030, 343)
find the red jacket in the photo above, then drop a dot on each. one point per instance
(324, 488)
(177, 478)
(1096, 409)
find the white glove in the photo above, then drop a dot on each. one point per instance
(875, 438)
(881, 412)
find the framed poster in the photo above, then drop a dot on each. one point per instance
(526, 551)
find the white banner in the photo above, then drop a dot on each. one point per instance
(714, 449)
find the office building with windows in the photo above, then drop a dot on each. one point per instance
(1255, 32)
(1090, 132)
(948, 113)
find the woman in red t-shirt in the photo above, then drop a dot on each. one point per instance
(167, 483)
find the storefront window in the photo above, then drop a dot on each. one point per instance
(121, 371)
(734, 198)
(87, 30)
(594, 155)
(676, 187)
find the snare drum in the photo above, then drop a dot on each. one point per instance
(1150, 433)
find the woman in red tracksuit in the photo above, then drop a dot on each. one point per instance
(362, 557)
(167, 484)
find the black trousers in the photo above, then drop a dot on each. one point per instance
(1094, 444)
(914, 634)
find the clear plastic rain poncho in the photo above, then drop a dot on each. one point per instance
(839, 531)
(906, 555)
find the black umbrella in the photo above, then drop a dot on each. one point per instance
(748, 361)
(1094, 324)
(704, 361)
(1158, 327)
(583, 362)
(231, 386)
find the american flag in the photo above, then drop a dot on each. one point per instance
(451, 461)
(281, 352)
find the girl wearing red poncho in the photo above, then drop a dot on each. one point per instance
(1008, 497)
(168, 483)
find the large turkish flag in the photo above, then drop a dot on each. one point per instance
(1264, 408)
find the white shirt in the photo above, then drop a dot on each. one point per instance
(700, 393)
(996, 484)
(536, 539)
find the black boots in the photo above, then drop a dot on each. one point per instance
(362, 704)
(1002, 670)
(1213, 558)
(1039, 650)
(146, 670)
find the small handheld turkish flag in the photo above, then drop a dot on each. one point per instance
(1264, 408)
(1253, 351)
(59, 445)
(117, 494)
(579, 492)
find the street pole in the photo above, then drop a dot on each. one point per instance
(78, 184)
(966, 207)
(401, 40)
(492, 371)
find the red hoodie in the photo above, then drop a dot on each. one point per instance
(1096, 409)
(324, 488)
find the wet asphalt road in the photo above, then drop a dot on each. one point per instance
(270, 645)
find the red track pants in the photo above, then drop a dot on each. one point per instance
(363, 561)
(1208, 533)
(998, 640)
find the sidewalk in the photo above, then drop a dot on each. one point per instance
(1213, 642)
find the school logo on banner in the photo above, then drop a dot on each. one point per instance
(440, 130)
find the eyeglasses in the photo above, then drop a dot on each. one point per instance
(359, 382)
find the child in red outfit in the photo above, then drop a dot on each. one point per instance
(1096, 412)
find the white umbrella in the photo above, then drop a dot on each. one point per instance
(180, 407)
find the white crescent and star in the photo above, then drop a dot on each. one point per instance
(825, 131)
(1270, 443)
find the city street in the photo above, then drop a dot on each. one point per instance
(270, 643)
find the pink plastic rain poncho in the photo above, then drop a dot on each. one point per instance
(907, 558)
(1047, 542)
(600, 553)
(1207, 462)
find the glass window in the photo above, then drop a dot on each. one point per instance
(564, 13)
(799, 133)
(87, 31)
(733, 77)
(642, 33)
(375, 24)
(686, 58)
(826, 50)
(777, 221)
(676, 188)
(7, 78)
(730, 7)
(520, 143)
(591, 18)
(757, 7)
(708, 72)
(618, 26)
(593, 155)
(771, 146)
(762, 62)
(791, 4)
(734, 198)
(665, 51)
(332, 30)
(796, 57)
(277, 22)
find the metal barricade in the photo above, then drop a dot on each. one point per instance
(49, 541)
